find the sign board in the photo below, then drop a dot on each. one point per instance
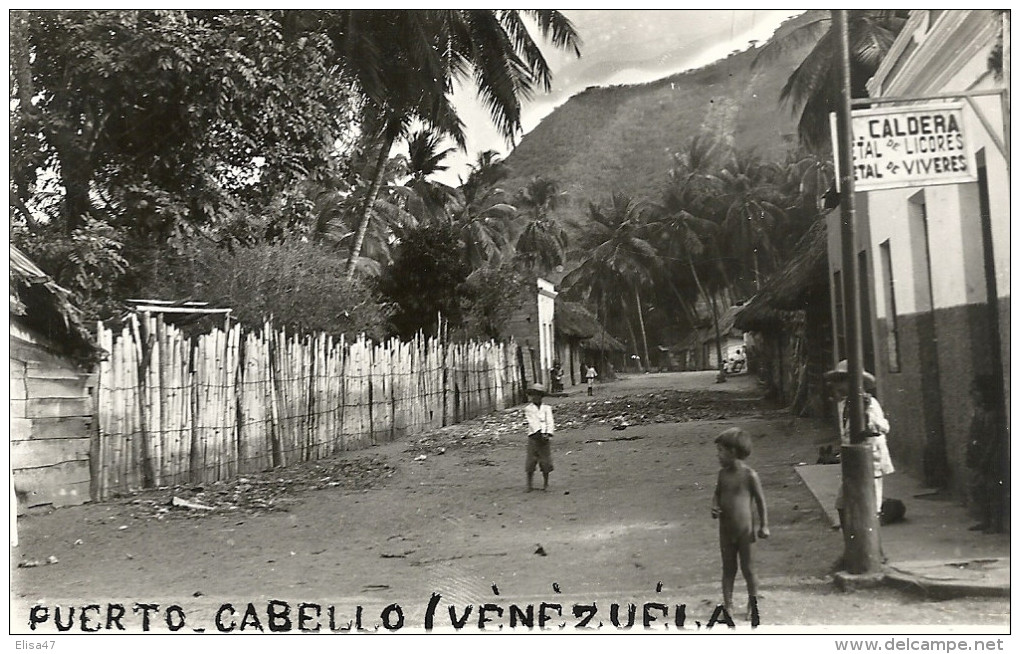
(897, 147)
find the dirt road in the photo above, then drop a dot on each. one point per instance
(626, 520)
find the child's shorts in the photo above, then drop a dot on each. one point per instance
(539, 453)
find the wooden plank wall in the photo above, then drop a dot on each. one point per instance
(172, 409)
(51, 417)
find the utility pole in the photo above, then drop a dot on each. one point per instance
(860, 526)
(1005, 78)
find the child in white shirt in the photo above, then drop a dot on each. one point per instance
(540, 429)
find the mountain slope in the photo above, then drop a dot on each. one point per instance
(622, 138)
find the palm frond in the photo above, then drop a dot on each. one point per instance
(809, 32)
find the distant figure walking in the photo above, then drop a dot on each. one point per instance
(590, 374)
(540, 429)
(738, 496)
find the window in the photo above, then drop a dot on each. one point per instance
(892, 329)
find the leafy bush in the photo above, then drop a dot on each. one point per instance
(491, 297)
(87, 262)
(299, 285)
(426, 280)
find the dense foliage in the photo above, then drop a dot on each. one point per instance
(245, 158)
(426, 280)
(141, 139)
(295, 284)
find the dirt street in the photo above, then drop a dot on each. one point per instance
(626, 520)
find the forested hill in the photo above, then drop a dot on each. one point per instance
(621, 138)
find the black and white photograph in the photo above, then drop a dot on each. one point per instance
(435, 323)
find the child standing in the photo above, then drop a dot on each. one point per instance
(875, 424)
(737, 488)
(540, 429)
(590, 374)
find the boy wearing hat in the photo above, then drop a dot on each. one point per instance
(540, 430)
(875, 424)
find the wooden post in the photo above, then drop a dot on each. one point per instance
(861, 539)
(143, 349)
(858, 477)
(194, 448)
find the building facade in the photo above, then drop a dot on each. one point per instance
(934, 260)
(532, 327)
(51, 402)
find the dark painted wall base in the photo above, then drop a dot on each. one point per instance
(928, 401)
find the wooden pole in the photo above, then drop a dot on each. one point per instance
(860, 528)
(1005, 77)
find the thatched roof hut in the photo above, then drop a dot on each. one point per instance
(802, 282)
(574, 321)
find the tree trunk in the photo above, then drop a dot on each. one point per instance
(74, 174)
(715, 314)
(21, 60)
(603, 321)
(633, 338)
(373, 193)
(692, 319)
(641, 322)
(718, 343)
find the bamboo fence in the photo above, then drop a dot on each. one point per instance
(173, 409)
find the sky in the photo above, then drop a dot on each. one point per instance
(618, 47)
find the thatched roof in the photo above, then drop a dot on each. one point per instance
(47, 308)
(727, 322)
(603, 341)
(803, 280)
(572, 319)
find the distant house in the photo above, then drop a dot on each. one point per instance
(51, 401)
(581, 340)
(532, 327)
(730, 338)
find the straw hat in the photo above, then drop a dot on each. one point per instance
(536, 388)
(842, 371)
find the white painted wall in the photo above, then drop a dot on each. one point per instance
(951, 55)
(546, 331)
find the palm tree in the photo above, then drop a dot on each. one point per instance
(427, 198)
(335, 203)
(685, 238)
(684, 234)
(806, 185)
(406, 62)
(479, 212)
(617, 256)
(541, 243)
(484, 225)
(487, 171)
(813, 87)
(751, 211)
